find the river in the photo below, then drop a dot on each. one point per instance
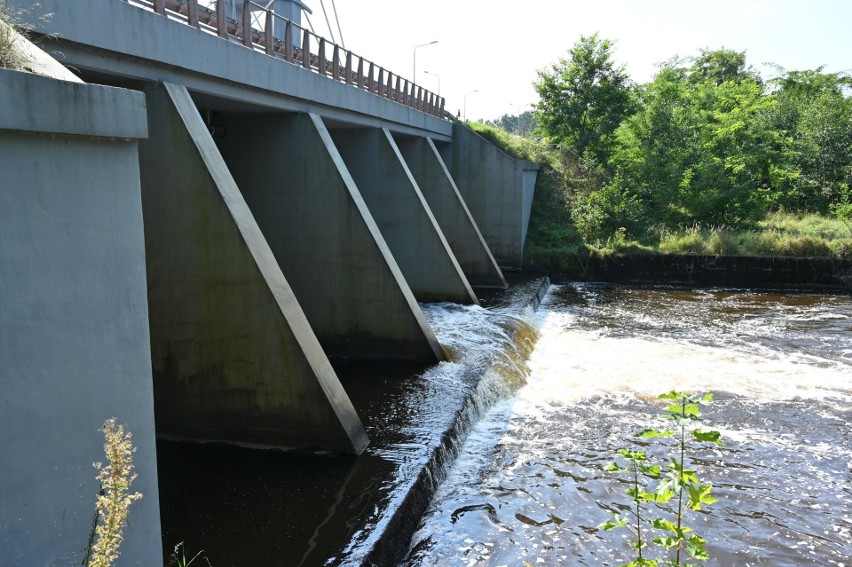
(529, 483)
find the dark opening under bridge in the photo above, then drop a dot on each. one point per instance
(189, 235)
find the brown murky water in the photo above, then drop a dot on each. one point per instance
(529, 484)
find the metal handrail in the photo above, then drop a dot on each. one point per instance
(255, 32)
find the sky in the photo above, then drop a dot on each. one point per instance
(489, 51)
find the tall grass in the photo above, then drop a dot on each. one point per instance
(10, 57)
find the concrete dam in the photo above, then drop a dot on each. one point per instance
(209, 208)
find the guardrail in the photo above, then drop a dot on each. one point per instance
(254, 29)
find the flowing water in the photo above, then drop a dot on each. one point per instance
(529, 484)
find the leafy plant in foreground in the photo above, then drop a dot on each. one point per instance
(669, 490)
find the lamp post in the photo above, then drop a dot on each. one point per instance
(414, 64)
(518, 117)
(437, 76)
(464, 113)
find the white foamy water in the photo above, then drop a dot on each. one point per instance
(529, 484)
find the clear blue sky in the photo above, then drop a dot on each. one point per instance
(495, 46)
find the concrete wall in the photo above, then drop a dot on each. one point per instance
(325, 238)
(440, 191)
(74, 347)
(234, 357)
(403, 215)
(496, 191)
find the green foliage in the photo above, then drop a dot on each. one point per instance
(695, 151)
(10, 58)
(660, 496)
(178, 557)
(584, 98)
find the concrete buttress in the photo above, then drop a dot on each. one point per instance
(324, 237)
(440, 191)
(403, 215)
(234, 357)
(497, 188)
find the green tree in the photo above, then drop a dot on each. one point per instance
(584, 98)
(696, 151)
(815, 112)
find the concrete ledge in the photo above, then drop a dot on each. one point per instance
(723, 271)
(37, 104)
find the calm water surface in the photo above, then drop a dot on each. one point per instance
(529, 483)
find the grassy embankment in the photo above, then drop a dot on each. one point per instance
(554, 243)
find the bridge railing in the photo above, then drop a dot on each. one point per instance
(254, 28)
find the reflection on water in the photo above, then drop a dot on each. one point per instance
(529, 484)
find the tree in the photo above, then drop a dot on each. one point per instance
(584, 98)
(815, 113)
(696, 151)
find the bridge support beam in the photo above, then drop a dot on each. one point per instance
(451, 212)
(324, 237)
(498, 190)
(234, 357)
(403, 215)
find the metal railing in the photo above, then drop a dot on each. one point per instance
(254, 29)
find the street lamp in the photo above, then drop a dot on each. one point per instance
(437, 76)
(464, 114)
(414, 65)
(518, 108)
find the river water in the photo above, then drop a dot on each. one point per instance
(529, 483)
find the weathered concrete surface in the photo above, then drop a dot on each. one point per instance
(325, 238)
(114, 38)
(497, 188)
(74, 347)
(403, 216)
(234, 357)
(440, 191)
(729, 271)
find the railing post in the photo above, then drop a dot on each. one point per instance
(349, 80)
(335, 63)
(321, 60)
(160, 7)
(192, 13)
(221, 20)
(380, 83)
(360, 72)
(398, 96)
(246, 24)
(288, 42)
(371, 84)
(306, 49)
(389, 89)
(268, 28)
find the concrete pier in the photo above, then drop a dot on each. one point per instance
(74, 347)
(440, 191)
(234, 357)
(324, 237)
(403, 215)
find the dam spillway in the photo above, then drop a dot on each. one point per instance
(156, 271)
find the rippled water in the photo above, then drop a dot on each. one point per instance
(529, 484)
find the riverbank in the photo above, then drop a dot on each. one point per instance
(825, 274)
